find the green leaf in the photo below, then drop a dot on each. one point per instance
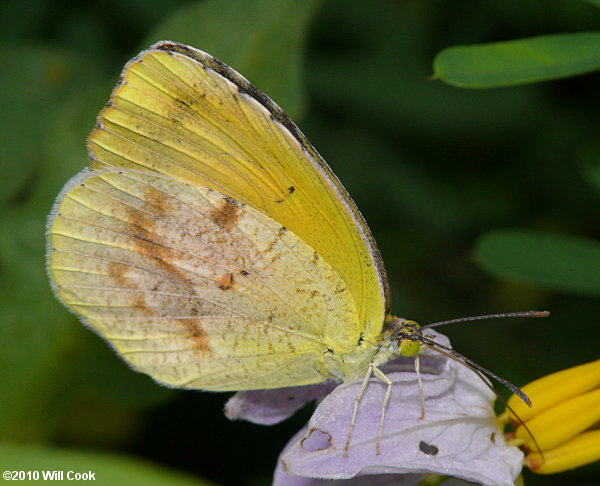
(555, 262)
(595, 3)
(65, 152)
(17, 22)
(519, 61)
(263, 40)
(590, 160)
(108, 469)
(32, 87)
(36, 333)
(377, 76)
(47, 358)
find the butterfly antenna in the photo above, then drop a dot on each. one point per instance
(531, 313)
(450, 353)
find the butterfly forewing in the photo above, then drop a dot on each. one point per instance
(180, 112)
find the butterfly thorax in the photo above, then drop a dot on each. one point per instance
(349, 366)
(399, 337)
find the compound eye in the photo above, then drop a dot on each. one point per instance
(409, 348)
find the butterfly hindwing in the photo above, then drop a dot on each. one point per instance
(192, 286)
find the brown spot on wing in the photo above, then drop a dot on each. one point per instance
(118, 271)
(142, 229)
(158, 200)
(163, 255)
(290, 190)
(226, 281)
(227, 215)
(140, 304)
(280, 232)
(196, 333)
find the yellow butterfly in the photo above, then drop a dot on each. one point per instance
(214, 248)
(209, 242)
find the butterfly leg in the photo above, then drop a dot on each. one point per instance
(420, 382)
(388, 392)
(372, 370)
(357, 400)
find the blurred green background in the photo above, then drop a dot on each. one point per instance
(473, 196)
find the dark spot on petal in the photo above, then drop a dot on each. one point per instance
(291, 189)
(428, 449)
(244, 273)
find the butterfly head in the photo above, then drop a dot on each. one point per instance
(404, 336)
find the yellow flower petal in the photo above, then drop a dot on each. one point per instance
(581, 450)
(554, 389)
(562, 422)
